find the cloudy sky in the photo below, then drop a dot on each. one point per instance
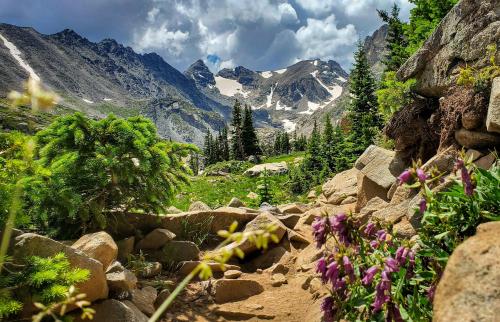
(258, 34)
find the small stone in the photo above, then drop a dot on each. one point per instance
(278, 280)
(314, 285)
(236, 203)
(199, 206)
(232, 274)
(486, 162)
(473, 155)
(252, 195)
(307, 282)
(311, 194)
(234, 290)
(254, 306)
(277, 268)
(259, 271)
(121, 280)
(144, 299)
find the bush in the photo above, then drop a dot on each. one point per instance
(393, 94)
(45, 280)
(233, 167)
(480, 79)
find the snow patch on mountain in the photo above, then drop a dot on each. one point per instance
(16, 54)
(280, 107)
(280, 71)
(87, 101)
(266, 74)
(289, 126)
(228, 87)
(269, 98)
(335, 91)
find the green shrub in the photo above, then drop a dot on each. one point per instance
(480, 79)
(264, 189)
(45, 280)
(393, 94)
(96, 166)
(233, 167)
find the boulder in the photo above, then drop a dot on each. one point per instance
(272, 169)
(218, 219)
(289, 220)
(342, 181)
(199, 206)
(27, 245)
(469, 286)
(260, 222)
(486, 162)
(461, 38)
(232, 274)
(476, 139)
(176, 252)
(473, 155)
(144, 299)
(155, 239)
(269, 208)
(125, 248)
(278, 279)
(293, 208)
(404, 229)
(493, 117)
(188, 266)
(443, 161)
(235, 290)
(114, 310)
(391, 214)
(373, 205)
(236, 203)
(120, 280)
(378, 171)
(99, 246)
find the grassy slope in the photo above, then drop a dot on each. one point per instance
(218, 191)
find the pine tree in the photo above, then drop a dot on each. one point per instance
(327, 144)
(248, 134)
(363, 109)
(285, 143)
(397, 44)
(225, 145)
(314, 159)
(237, 150)
(208, 149)
(264, 189)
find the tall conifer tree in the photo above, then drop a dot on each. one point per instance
(396, 42)
(237, 150)
(248, 135)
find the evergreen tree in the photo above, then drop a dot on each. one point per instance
(248, 135)
(225, 145)
(397, 45)
(363, 110)
(314, 160)
(237, 150)
(264, 189)
(327, 144)
(208, 149)
(285, 143)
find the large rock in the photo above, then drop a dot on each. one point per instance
(469, 287)
(125, 248)
(27, 245)
(144, 299)
(114, 310)
(379, 169)
(461, 38)
(493, 118)
(199, 206)
(229, 290)
(215, 220)
(289, 220)
(372, 206)
(293, 208)
(120, 280)
(176, 252)
(343, 185)
(155, 239)
(99, 246)
(272, 169)
(260, 222)
(477, 139)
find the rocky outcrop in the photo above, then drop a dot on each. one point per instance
(271, 168)
(493, 118)
(343, 185)
(27, 245)
(375, 48)
(99, 246)
(461, 38)
(469, 286)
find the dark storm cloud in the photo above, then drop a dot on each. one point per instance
(261, 34)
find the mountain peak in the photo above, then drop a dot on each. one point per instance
(199, 72)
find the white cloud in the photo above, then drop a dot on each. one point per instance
(162, 38)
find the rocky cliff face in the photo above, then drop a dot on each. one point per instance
(375, 47)
(104, 77)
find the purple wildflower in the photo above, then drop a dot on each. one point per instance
(401, 255)
(391, 265)
(321, 268)
(381, 235)
(327, 306)
(466, 178)
(337, 224)
(382, 292)
(422, 205)
(431, 292)
(374, 244)
(349, 270)
(319, 227)
(370, 229)
(369, 275)
(422, 176)
(332, 272)
(404, 177)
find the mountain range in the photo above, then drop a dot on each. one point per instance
(104, 77)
